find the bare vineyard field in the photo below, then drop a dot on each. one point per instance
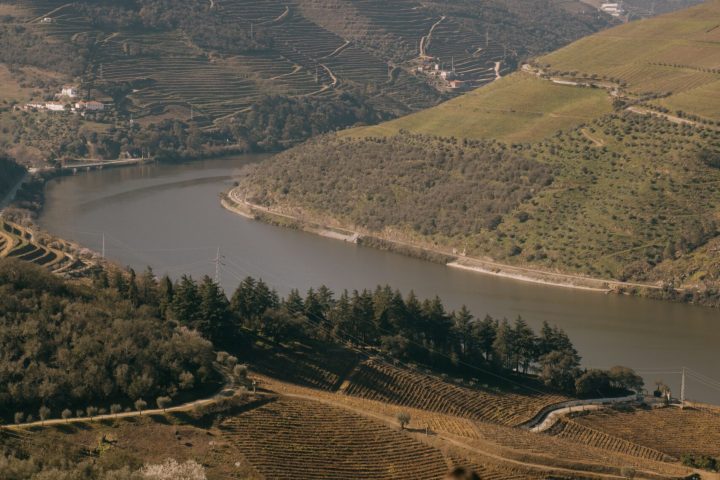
(297, 439)
(668, 430)
(382, 382)
(516, 108)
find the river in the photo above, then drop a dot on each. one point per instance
(170, 217)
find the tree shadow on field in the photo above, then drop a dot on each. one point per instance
(159, 418)
(67, 428)
(430, 433)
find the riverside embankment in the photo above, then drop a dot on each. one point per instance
(236, 202)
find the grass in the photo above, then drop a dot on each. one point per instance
(135, 441)
(518, 108)
(11, 89)
(696, 101)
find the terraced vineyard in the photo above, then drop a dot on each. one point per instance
(296, 439)
(576, 432)
(319, 48)
(323, 369)
(18, 242)
(674, 54)
(379, 381)
(668, 430)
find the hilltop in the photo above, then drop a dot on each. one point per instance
(597, 160)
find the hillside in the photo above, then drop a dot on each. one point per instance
(631, 187)
(330, 388)
(237, 74)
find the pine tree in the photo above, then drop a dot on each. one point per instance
(485, 333)
(243, 302)
(186, 302)
(502, 344)
(294, 303)
(215, 318)
(462, 331)
(148, 288)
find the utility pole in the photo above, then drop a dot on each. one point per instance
(191, 111)
(682, 390)
(103, 245)
(218, 264)
(487, 37)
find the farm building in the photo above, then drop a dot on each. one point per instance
(92, 105)
(55, 106)
(614, 9)
(69, 91)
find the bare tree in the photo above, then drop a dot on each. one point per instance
(19, 417)
(66, 414)
(115, 409)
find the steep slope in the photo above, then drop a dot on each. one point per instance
(633, 188)
(218, 58)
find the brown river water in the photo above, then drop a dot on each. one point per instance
(170, 217)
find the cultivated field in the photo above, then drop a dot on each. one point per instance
(18, 242)
(518, 108)
(512, 405)
(672, 54)
(668, 430)
(297, 439)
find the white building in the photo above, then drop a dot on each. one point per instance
(69, 91)
(614, 9)
(92, 105)
(55, 106)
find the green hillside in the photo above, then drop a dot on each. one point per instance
(671, 61)
(634, 184)
(516, 108)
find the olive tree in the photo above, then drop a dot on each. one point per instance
(163, 402)
(140, 405)
(403, 418)
(44, 414)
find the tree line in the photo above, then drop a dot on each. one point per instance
(10, 173)
(130, 338)
(404, 328)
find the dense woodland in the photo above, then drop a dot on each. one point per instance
(279, 121)
(431, 185)
(518, 25)
(22, 46)
(10, 173)
(66, 345)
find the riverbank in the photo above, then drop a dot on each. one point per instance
(235, 201)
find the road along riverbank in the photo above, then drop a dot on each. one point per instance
(235, 201)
